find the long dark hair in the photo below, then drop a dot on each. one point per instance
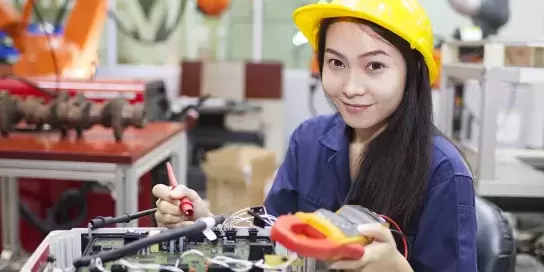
(394, 168)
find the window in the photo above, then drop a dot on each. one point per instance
(279, 31)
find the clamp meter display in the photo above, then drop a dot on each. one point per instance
(325, 235)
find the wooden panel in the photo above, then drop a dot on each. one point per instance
(98, 144)
(191, 78)
(264, 80)
(224, 79)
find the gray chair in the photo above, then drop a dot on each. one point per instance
(495, 239)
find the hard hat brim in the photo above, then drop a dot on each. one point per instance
(309, 17)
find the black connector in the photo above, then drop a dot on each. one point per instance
(167, 235)
(100, 221)
(258, 221)
(253, 233)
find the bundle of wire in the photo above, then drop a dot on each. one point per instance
(242, 218)
(233, 264)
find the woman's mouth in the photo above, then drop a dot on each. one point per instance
(355, 108)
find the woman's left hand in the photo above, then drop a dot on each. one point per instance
(380, 255)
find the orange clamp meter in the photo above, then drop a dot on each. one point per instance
(325, 235)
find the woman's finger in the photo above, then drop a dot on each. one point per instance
(378, 232)
(169, 208)
(346, 265)
(168, 219)
(182, 191)
(162, 191)
(158, 216)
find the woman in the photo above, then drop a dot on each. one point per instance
(380, 150)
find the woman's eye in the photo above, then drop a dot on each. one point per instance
(375, 66)
(336, 63)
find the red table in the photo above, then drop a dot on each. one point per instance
(96, 157)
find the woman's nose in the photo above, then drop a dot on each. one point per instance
(353, 87)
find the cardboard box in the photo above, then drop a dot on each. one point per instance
(236, 177)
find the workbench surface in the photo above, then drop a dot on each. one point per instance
(97, 144)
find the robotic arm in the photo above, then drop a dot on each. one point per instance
(74, 54)
(489, 15)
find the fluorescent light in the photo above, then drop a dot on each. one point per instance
(299, 39)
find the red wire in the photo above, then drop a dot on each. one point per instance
(396, 226)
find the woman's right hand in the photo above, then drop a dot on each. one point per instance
(168, 212)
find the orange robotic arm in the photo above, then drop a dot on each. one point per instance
(73, 54)
(13, 23)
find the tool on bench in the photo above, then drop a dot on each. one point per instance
(185, 205)
(64, 112)
(325, 235)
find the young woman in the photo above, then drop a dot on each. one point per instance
(380, 150)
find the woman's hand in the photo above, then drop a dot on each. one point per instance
(168, 213)
(380, 255)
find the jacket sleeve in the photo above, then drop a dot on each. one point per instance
(283, 196)
(446, 239)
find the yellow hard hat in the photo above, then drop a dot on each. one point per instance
(406, 18)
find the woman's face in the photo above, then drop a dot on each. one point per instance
(363, 74)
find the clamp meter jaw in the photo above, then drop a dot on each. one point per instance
(325, 235)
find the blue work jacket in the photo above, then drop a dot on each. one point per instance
(315, 174)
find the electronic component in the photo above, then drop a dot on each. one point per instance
(184, 253)
(325, 235)
(209, 244)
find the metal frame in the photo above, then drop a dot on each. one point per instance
(493, 76)
(125, 178)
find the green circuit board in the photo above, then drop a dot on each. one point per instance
(170, 253)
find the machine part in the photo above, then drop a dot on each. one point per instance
(118, 114)
(8, 113)
(488, 15)
(66, 113)
(213, 8)
(192, 253)
(161, 35)
(74, 53)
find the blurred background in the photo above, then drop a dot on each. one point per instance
(216, 87)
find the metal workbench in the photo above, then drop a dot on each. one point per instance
(97, 157)
(498, 173)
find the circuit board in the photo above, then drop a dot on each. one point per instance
(240, 244)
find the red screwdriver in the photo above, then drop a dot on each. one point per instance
(185, 205)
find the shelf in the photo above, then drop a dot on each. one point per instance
(520, 75)
(521, 189)
(513, 176)
(464, 71)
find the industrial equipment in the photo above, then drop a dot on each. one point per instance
(211, 132)
(65, 112)
(75, 53)
(213, 8)
(236, 248)
(210, 244)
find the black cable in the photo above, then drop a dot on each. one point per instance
(42, 22)
(58, 217)
(30, 84)
(173, 234)
(100, 222)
